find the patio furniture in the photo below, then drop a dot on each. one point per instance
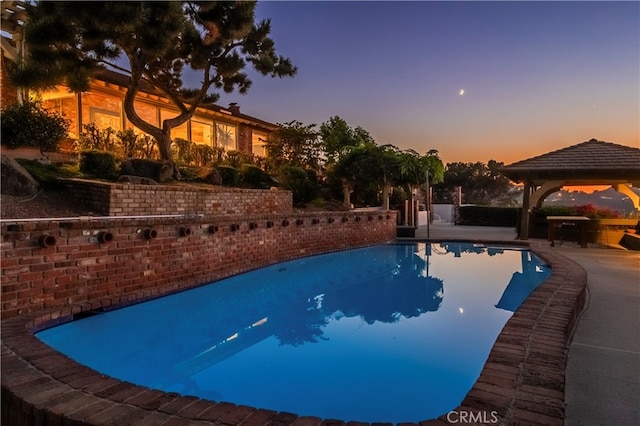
(557, 222)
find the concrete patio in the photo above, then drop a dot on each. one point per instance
(603, 364)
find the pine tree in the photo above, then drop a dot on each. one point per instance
(70, 42)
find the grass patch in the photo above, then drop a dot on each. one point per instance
(49, 175)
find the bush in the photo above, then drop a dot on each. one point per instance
(94, 139)
(588, 210)
(300, 182)
(230, 176)
(183, 150)
(254, 177)
(132, 145)
(189, 174)
(99, 164)
(489, 216)
(203, 154)
(30, 124)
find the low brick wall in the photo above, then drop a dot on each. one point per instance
(109, 261)
(603, 232)
(120, 199)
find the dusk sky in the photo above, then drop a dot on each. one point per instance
(536, 76)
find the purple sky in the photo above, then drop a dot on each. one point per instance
(537, 76)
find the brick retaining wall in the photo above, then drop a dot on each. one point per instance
(80, 269)
(118, 199)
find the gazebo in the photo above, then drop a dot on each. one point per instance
(592, 162)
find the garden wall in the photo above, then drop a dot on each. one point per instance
(604, 232)
(121, 199)
(90, 263)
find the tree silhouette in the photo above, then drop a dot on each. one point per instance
(71, 42)
(481, 183)
(294, 144)
(338, 139)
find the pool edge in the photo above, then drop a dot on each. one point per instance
(523, 379)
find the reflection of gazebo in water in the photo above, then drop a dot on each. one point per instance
(588, 163)
(522, 283)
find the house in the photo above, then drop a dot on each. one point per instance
(211, 125)
(102, 104)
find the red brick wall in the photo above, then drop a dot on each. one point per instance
(111, 199)
(8, 93)
(244, 138)
(79, 270)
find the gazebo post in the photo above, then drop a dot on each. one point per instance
(524, 217)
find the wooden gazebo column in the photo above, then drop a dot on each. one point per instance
(526, 213)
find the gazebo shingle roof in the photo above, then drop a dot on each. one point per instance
(591, 157)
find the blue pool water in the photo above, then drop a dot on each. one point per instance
(389, 333)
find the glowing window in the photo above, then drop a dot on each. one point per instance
(104, 118)
(177, 132)
(226, 136)
(201, 132)
(258, 142)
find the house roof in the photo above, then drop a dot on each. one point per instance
(586, 160)
(122, 80)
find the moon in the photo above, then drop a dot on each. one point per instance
(461, 92)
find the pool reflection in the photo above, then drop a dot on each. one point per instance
(216, 341)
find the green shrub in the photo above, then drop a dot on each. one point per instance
(235, 158)
(254, 177)
(203, 154)
(30, 124)
(99, 164)
(488, 216)
(300, 182)
(189, 174)
(230, 175)
(148, 146)
(132, 145)
(94, 139)
(184, 151)
(588, 210)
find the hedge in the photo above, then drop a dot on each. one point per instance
(489, 216)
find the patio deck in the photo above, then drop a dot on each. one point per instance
(603, 362)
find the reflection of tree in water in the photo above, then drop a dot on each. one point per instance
(302, 322)
(403, 292)
(458, 248)
(399, 289)
(295, 304)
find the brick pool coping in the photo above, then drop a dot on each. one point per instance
(522, 380)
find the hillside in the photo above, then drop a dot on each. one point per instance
(606, 199)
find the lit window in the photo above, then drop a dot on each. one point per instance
(177, 132)
(104, 118)
(226, 136)
(258, 142)
(64, 104)
(201, 133)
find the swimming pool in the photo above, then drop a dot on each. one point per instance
(388, 333)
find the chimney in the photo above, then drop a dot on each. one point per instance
(234, 108)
